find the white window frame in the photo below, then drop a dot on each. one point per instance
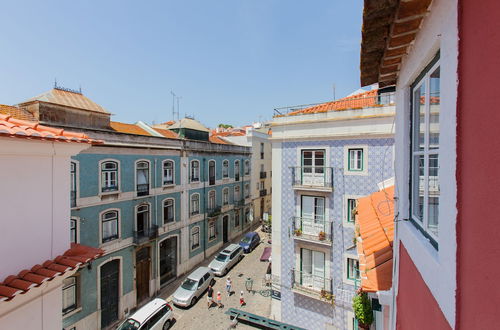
(75, 286)
(246, 165)
(76, 228)
(345, 209)
(101, 179)
(164, 163)
(212, 199)
(212, 229)
(237, 165)
(149, 183)
(364, 148)
(225, 169)
(192, 177)
(118, 222)
(237, 216)
(237, 194)
(348, 256)
(225, 196)
(211, 161)
(75, 180)
(246, 190)
(191, 208)
(192, 240)
(169, 199)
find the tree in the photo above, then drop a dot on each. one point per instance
(225, 126)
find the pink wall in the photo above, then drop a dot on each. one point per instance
(416, 307)
(478, 159)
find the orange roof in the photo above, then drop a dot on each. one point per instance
(361, 100)
(167, 133)
(375, 232)
(127, 128)
(16, 112)
(17, 128)
(68, 98)
(216, 139)
(75, 257)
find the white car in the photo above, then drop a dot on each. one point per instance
(193, 287)
(155, 315)
(226, 259)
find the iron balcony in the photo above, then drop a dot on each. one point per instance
(143, 189)
(144, 236)
(318, 230)
(263, 192)
(263, 175)
(318, 178)
(312, 285)
(213, 212)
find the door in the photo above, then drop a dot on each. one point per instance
(142, 220)
(225, 228)
(211, 172)
(313, 170)
(109, 292)
(312, 269)
(142, 266)
(262, 208)
(168, 260)
(313, 215)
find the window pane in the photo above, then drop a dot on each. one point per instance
(434, 192)
(419, 118)
(434, 109)
(418, 179)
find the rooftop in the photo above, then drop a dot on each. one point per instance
(127, 128)
(16, 112)
(189, 123)
(166, 133)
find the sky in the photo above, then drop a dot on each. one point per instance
(230, 61)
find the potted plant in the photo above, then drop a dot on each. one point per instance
(362, 309)
(327, 296)
(322, 236)
(297, 232)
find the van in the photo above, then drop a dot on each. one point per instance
(155, 315)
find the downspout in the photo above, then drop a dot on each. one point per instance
(204, 213)
(156, 223)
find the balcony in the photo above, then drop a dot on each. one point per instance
(316, 178)
(311, 285)
(263, 175)
(72, 198)
(236, 177)
(239, 203)
(145, 235)
(263, 192)
(313, 230)
(213, 212)
(143, 189)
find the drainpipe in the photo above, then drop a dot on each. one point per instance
(156, 223)
(204, 213)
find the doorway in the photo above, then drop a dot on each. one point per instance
(109, 292)
(142, 266)
(225, 229)
(168, 260)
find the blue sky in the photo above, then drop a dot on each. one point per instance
(231, 61)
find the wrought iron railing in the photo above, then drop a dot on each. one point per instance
(239, 203)
(305, 281)
(312, 176)
(263, 192)
(143, 189)
(73, 198)
(213, 212)
(145, 235)
(317, 230)
(263, 175)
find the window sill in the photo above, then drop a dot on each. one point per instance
(212, 239)
(353, 172)
(170, 185)
(348, 224)
(195, 248)
(73, 312)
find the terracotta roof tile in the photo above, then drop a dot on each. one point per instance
(216, 139)
(26, 280)
(167, 133)
(375, 232)
(128, 128)
(17, 128)
(16, 112)
(68, 98)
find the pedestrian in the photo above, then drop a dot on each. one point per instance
(268, 274)
(219, 300)
(229, 283)
(242, 300)
(210, 296)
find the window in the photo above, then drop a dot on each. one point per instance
(168, 172)
(258, 185)
(69, 293)
(352, 269)
(351, 206)
(211, 230)
(195, 238)
(312, 170)
(261, 150)
(425, 189)
(195, 204)
(156, 318)
(237, 219)
(142, 177)
(312, 270)
(247, 190)
(73, 184)
(312, 216)
(237, 170)
(225, 168)
(237, 196)
(109, 226)
(195, 171)
(109, 176)
(211, 200)
(247, 215)
(261, 186)
(247, 167)
(73, 231)
(168, 211)
(225, 196)
(142, 220)
(355, 159)
(211, 172)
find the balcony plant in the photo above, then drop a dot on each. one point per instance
(297, 232)
(322, 236)
(327, 296)
(362, 309)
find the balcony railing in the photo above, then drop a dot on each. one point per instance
(236, 177)
(211, 180)
(263, 175)
(263, 192)
(145, 235)
(311, 283)
(73, 198)
(315, 230)
(213, 212)
(239, 203)
(312, 177)
(143, 189)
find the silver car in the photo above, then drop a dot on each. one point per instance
(226, 259)
(193, 287)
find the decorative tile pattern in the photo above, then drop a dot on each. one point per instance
(298, 309)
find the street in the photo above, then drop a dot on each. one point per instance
(200, 317)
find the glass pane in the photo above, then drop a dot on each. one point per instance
(419, 118)
(434, 109)
(418, 181)
(434, 192)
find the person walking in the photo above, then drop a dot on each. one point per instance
(210, 296)
(229, 283)
(242, 300)
(219, 300)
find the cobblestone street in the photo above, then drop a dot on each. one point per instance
(200, 317)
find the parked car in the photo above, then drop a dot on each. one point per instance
(155, 315)
(226, 259)
(193, 287)
(250, 241)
